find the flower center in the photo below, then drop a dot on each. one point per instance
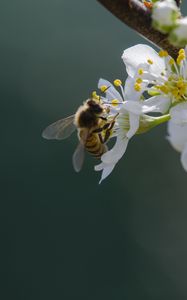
(176, 87)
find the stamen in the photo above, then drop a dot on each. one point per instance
(140, 71)
(117, 82)
(150, 61)
(180, 58)
(137, 87)
(171, 61)
(95, 96)
(103, 88)
(181, 51)
(163, 53)
(115, 102)
(139, 80)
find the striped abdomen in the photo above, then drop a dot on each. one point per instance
(94, 146)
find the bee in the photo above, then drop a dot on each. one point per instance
(94, 130)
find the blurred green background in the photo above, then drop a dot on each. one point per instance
(63, 236)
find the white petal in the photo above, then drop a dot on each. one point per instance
(134, 124)
(160, 103)
(130, 92)
(179, 113)
(136, 55)
(184, 157)
(111, 92)
(177, 135)
(113, 155)
(107, 169)
(132, 107)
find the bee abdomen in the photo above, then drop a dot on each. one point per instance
(94, 146)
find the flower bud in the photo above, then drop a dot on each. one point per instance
(178, 36)
(164, 15)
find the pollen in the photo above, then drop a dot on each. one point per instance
(95, 96)
(137, 87)
(181, 51)
(140, 71)
(150, 61)
(103, 88)
(180, 84)
(180, 58)
(139, 80)
(171, 61)
(115, 102)
(163, 53)
(117, 82)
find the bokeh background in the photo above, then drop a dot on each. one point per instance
(64, 236)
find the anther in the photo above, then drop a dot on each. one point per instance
(103, 88)
(181, 51)
(163, 53)
(117, 82)
(137, 87)
(114, 102)
(171, 61)
(140, 71)
(95, 96)
(139, 80)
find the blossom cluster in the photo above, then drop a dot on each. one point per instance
(154, 92)
(166, 18)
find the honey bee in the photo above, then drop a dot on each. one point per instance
(94, 130)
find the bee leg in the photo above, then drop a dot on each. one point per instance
(98, 130)
(101, 138)
(109, 128)
(103, 118)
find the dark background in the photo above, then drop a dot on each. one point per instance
(63, 236)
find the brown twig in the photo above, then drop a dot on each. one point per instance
(134, 14)
(178, 2)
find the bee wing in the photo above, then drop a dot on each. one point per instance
(60, 129)
(78, 157)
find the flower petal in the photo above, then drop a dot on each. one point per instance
(134, 124)
(184, 157)
(111, 92)
(107, 169)
(115, 154)
(131, 107)
(177, 135)
(130, 92)
(160, 103)
(136, 55)
(179, 114)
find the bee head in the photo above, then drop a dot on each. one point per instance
(95, 107)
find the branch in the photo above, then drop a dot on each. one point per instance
(178, 2)
(134, 14)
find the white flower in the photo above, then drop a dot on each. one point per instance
(178, 139)
(178, 36)
(131, 119)
(164, 15)
(162, 77)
